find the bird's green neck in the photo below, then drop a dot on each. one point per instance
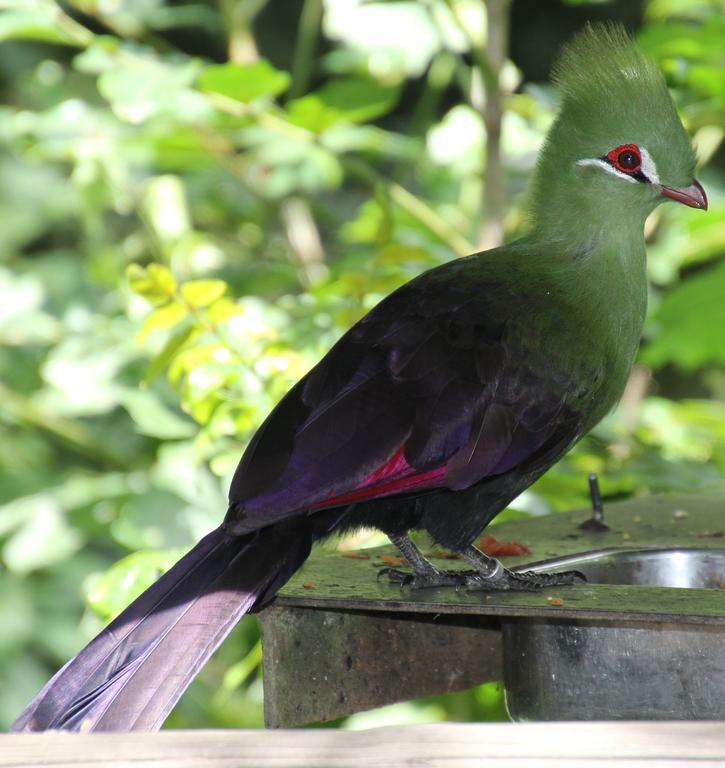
(589, 246)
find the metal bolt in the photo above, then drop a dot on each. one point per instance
(596, 522)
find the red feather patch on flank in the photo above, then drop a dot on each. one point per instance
(395, 476)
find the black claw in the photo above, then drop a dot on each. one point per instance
(552, 579)
(397, 576)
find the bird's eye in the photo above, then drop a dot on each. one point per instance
(626, 158)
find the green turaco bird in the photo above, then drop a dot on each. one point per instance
(434, 411)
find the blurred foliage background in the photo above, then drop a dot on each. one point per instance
(198, 198)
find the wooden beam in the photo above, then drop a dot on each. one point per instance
(539, 745)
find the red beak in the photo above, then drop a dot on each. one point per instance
(694, 195)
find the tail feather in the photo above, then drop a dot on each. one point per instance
(134, 672)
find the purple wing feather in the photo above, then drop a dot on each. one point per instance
(430, 370)
(134, 672)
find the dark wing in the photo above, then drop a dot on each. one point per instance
(437, 377)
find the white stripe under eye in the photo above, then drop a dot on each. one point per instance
(604, 165)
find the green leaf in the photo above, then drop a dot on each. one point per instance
(82, 370)
(32, 25)
(162, 319)
(701, 43)
(101, 56)
(202, 293)
(690, 320)
(143, 86)
(189, 359)
(244, 82)
(155, 282)
(18, 603)
(22, 319)
(127, 579)
(173, 345)
(457, 141)
(659, 11)
(151, 417)
(352, 100)
(358, 99)
(45, 539)
(166, 209)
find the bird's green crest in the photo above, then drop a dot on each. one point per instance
(612, 95)
(602, 62)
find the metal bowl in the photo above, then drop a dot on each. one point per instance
(596, 670)
(682, 568)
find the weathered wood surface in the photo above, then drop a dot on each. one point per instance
(536, 745)
(321, 665)
(329, 580)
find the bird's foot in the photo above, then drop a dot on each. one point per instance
(499, 580)
(488, 574)
(424, 579)
(505, 580)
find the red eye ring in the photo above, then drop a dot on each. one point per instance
(626, 158)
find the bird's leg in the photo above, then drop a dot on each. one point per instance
(425, 574)
(490, 574)
(487, 574)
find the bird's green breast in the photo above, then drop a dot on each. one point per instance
(579, 310)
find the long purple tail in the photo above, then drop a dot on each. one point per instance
(133, 673)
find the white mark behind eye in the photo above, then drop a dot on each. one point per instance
(649, 169)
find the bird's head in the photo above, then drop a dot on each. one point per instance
(617, 148)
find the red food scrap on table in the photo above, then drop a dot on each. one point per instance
(444, 554)
(393, 560)
(355, 555)
(555, 601)
(494, 548)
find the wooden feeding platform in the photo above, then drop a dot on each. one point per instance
(339, 640)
